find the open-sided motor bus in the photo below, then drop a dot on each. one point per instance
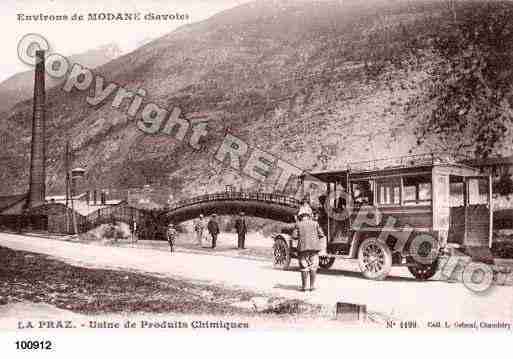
(392, 212)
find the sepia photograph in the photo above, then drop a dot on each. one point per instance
(239, 166)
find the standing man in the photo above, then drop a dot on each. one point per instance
(241, 228)
(213, 229)
(310, 241)
(19, 221)
(135, 233)
(133, 229)
(171, 236)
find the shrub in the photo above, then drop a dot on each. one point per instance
(504, 185)
(88, 236)
(273, 227)
(119, 233)
(181, 228)
(109, 231)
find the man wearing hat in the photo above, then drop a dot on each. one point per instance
(213, 229)
(241, 228)
(310, 241)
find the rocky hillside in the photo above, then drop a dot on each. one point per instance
(20, 86)
(318, 84)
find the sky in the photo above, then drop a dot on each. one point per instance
(71, 37)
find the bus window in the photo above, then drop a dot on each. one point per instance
(417, 190)
(362, 193)
(477, 190)
(457, 191)
(389, 191)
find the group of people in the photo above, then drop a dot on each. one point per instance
(207, 231)
(311, 239)
(210, 228)
(202, 226)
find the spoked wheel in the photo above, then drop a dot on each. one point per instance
(374, 259)
(424, 271)
(281, 254)
(326, 262)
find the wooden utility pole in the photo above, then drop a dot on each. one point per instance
(73, 216)
(66, 169)
(69, 192)
(451, 4)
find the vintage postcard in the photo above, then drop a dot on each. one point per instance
(231, 166)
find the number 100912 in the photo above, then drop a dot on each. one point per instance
(33, 345)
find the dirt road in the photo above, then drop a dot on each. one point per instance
(400, 296)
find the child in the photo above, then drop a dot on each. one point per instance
(171, 236)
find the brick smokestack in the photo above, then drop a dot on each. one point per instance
(38, 145)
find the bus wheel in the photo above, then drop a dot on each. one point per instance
(326, 262)
(424, 271)
(281, 252)
(374, 259)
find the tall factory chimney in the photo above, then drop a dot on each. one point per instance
(38, 145)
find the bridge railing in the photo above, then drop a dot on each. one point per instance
(123, 212)
(233, 195)
(119, 212)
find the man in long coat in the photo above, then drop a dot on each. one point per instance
(213, 229)
(311, 238)
(241, 228)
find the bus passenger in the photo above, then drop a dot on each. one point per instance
(305, 207)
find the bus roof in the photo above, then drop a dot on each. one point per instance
(392, 166)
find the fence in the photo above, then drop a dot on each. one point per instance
(121, 212)
(19, 222)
